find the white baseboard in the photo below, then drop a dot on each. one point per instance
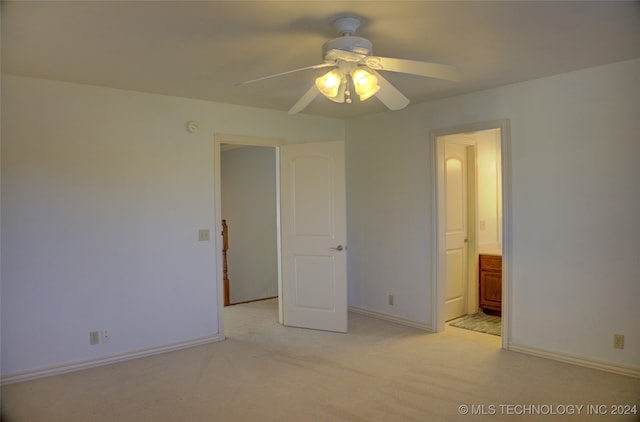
(615, 368)
(105, 360)
(392, 318)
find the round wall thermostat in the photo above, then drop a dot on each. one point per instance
(192, 126)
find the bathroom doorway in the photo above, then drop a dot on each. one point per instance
(469, 220)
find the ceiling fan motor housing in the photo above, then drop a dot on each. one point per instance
(357, 45)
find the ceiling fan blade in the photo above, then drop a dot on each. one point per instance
(305, 100)
(315, 66)
(389, 95)
(430, 70)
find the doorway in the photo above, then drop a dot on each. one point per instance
(463, 235)
(310, 231)
(248, 179)
(228, 142)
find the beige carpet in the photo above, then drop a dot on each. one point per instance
(379, 371)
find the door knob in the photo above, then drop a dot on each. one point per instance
(337, 248)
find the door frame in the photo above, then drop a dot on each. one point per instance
(438, 251)
(240, 140)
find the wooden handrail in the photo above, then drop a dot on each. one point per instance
(225, 247)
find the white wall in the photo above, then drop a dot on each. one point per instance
(248, 177)
(489, 191)
(575, 204)
(103, 193)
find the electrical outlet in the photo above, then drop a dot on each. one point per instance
(618, 341)
(106, 336)
(94, 338)
(203, 235)
(391, 300)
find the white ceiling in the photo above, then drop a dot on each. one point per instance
(202, 49)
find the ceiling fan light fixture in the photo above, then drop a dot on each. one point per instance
(365, 83)
(332, 85)
(329, 83)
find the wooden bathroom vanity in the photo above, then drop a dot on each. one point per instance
(491, 283)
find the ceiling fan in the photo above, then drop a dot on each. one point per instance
(355, 67)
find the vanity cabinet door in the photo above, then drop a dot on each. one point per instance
(491, 282)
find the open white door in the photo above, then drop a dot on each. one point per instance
(456, 237)
(313, 236)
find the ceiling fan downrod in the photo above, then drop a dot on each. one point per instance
(346, 25)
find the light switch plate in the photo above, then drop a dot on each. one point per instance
(618, 341)
(203, 235)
